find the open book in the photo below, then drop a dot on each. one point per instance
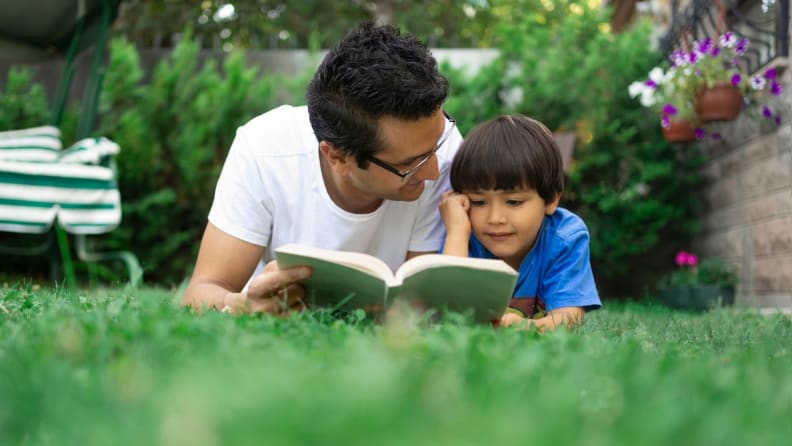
(350, 280)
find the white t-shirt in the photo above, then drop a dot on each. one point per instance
(271, 192)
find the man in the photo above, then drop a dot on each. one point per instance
(372, 183)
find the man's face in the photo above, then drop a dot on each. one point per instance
(406, 144)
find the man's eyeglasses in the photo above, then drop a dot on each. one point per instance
(406, 175)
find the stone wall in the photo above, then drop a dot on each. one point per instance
(746, 204)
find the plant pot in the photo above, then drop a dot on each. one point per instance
(722, 102)
(697, 298)
(679, 131)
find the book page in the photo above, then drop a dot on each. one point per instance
(482, 287)
(337, 283)
(358, 260)
(427, 261)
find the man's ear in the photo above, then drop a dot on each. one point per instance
(550, 207)
(339, 160)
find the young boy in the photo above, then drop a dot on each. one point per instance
(507, 179)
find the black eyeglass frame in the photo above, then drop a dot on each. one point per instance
(411, 171)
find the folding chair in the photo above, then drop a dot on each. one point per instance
(42, 187)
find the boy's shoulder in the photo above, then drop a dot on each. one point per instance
(566, 224)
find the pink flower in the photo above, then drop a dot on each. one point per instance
(685, 258)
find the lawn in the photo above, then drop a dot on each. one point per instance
(129, 367)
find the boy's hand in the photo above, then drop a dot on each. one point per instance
(454, 209)
(510, 318)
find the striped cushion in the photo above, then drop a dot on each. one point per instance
(84, 198)
(89, 150)
(32, 144)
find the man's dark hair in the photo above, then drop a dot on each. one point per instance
(507, 153)
(373, 72)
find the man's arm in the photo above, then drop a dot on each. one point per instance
(224, 265)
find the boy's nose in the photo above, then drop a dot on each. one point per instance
(496, 215)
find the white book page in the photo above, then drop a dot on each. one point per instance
(362, 262)
(427, 261)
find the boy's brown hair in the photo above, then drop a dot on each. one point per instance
(506, 153)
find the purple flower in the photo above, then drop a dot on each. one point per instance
(700, 133)
(669, 109)
(704, 46)
(777, 120)
(742, 45)
(775, 88)
(665, 122)
(735, 79)
(650, 83)
(715, 51)
(770, 73)
(692, 57)
(766, 112)
(678, 58)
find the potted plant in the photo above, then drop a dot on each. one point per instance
(707, 83)
(698, 285)
(670, 94)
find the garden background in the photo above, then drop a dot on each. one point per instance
(181, 77)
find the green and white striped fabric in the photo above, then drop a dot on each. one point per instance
(31, 144)
(83, 198)
(40, 184)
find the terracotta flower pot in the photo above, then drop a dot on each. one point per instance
(722, 102)
(679, 131)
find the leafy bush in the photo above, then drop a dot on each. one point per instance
(175, 130)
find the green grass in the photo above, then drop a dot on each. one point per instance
(131, 368)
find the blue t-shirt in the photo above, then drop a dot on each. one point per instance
(556, 272)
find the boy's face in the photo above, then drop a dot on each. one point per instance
(507, 222)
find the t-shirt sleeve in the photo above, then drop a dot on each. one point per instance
(569, 280)
(429, 231)
(242, 207)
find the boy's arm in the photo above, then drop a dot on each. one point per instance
(454, 209)
(570, 316)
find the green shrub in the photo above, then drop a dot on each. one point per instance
(175, 130)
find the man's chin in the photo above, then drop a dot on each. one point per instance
(410, 192)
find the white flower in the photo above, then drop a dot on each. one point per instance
(636, 88)
(758, 82)
(728, 40)
(657, 76)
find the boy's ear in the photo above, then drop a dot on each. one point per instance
(339, 160)
(551, 206)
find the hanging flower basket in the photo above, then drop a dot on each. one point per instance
(721, 102)
(679, 130)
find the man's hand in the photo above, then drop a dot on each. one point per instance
(274, 291)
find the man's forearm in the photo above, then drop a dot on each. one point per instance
(206, 295)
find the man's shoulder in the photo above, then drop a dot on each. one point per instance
(286, 127)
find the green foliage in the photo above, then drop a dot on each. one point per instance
(122, 368)
(175, 129)
(23, 103)
(710, 271)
